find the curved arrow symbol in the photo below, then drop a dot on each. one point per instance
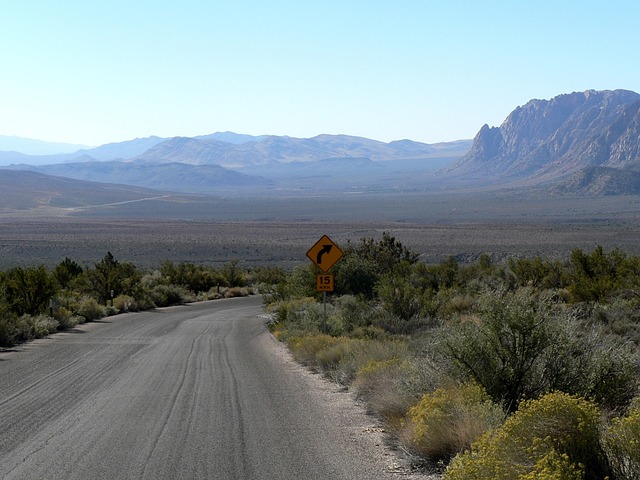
(325, 249)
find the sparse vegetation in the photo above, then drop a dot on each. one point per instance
(36, 301)
(453, 356)
(526, 368)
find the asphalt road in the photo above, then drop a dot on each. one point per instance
(200, 391)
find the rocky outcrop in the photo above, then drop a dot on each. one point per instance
(548, 140)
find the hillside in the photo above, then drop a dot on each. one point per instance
(33, 192)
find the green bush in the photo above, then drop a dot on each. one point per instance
(91, 310)
(125, 303)
(450, 419)
(556, 436)
(43, 325)
(302, 316)
(66, 319)
(28, 327)
(7, 330)
(506, 348)
(166, 295)
(353, 312)
(622, 444)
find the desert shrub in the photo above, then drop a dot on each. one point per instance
(342, 360)
(504, 349)
(610, 375)
(29, 290)
(195, 278)
(300, 316)
(300, 283)
(305, 348)
(595, 275)
(620, 317)
(22, 331)
(556, 436)
(264, 276)
(43, 325)
(90, 309)
(233, 275)
(66, 319)
(400, 297)
(110, 275)
(451, 302)
(622, 444)
(7, 330)
(448, 420)
(28, 327)
(237, 292)
(380, 383)
(166, 295)
(125, 303)
(66, 271)
(356, 276)
(353, 312)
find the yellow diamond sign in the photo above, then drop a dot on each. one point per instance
(325, 253)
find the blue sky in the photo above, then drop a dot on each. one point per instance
(98, 72)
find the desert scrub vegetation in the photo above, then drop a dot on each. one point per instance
(529, 368)
(35, 302)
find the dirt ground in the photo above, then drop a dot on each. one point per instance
(147, 243)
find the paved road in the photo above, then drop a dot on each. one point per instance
(200, 391)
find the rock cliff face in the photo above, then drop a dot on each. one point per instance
(548, 140)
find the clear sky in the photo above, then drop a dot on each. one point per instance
(94, 72)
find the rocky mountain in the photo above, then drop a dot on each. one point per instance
(599, 181)
(548, 140)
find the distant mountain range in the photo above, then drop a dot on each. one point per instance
(35, 147)
(582, 143)
(233, 163)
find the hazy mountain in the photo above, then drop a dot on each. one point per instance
(271, 149)
(231, 137)
(547, 140)
(119, 150)
(175, 177)
(35, 147)
(248, 164)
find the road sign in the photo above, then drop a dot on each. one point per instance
(324, 282)
(325, 253)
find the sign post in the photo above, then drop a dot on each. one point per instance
(324, 254)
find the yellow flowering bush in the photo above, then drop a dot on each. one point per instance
(450, 419)
(554, 437)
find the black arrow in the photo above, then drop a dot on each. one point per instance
(325, 249)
